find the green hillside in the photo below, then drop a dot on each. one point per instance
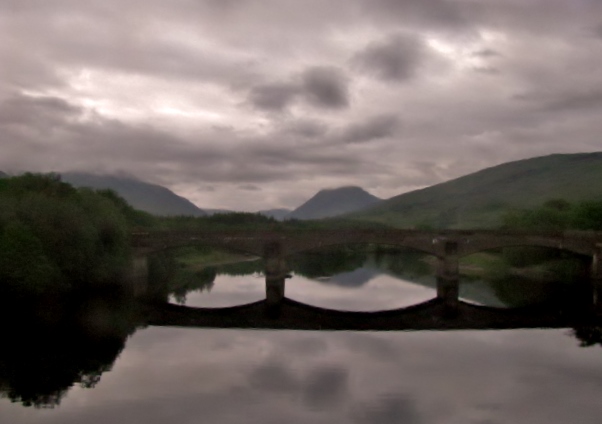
(477, 200)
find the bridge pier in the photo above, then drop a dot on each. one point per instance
(137, 278)
(276, 272)
(448, 277)
(596, 279)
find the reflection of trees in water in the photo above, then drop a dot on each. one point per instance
(238, 269)
(328, 262)
(403, 263)
(48, 346)
(588, 335)
(186, 281)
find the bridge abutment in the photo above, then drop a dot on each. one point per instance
(448, 277)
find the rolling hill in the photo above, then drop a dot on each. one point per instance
(477, 200)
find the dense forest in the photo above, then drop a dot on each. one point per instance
(54, 237)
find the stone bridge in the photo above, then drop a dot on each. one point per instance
(447, 245)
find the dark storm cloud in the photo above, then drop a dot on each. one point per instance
(325, 87)
(373, 128)
(273, 97)
(397, 58)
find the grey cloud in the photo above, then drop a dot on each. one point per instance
(597, 30)
(577, 101)
(273, 97)
(443, 14)
(487, 52)
(563, 101)
(249, 187)
(117, 38)
(45, 111)
(488, 70)
(397, 58)
(306, 128)
(319, 86)
(374, 128)
(325, 87)
(154, 155)
(386, 410)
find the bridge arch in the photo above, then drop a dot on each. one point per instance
(312, 244)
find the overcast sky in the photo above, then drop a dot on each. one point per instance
(254, 104)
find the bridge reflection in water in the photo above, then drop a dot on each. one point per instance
(583, 306)
(430, 315)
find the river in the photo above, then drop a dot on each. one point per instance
(244, 376)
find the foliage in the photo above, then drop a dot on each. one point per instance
(556, 215)
(53, 236)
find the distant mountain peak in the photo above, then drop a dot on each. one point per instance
(334, 201)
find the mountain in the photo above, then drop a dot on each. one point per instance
(277, 214)
(3, 174)
(332, 202)
(151, 198)
(478, 200)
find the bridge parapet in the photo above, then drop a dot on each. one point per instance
(431, 242)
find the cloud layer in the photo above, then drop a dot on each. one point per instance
(290, 98)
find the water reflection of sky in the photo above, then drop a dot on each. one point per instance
(232, 376)
(363, 289)
(359, 290)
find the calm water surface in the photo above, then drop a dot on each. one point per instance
(232, 376)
